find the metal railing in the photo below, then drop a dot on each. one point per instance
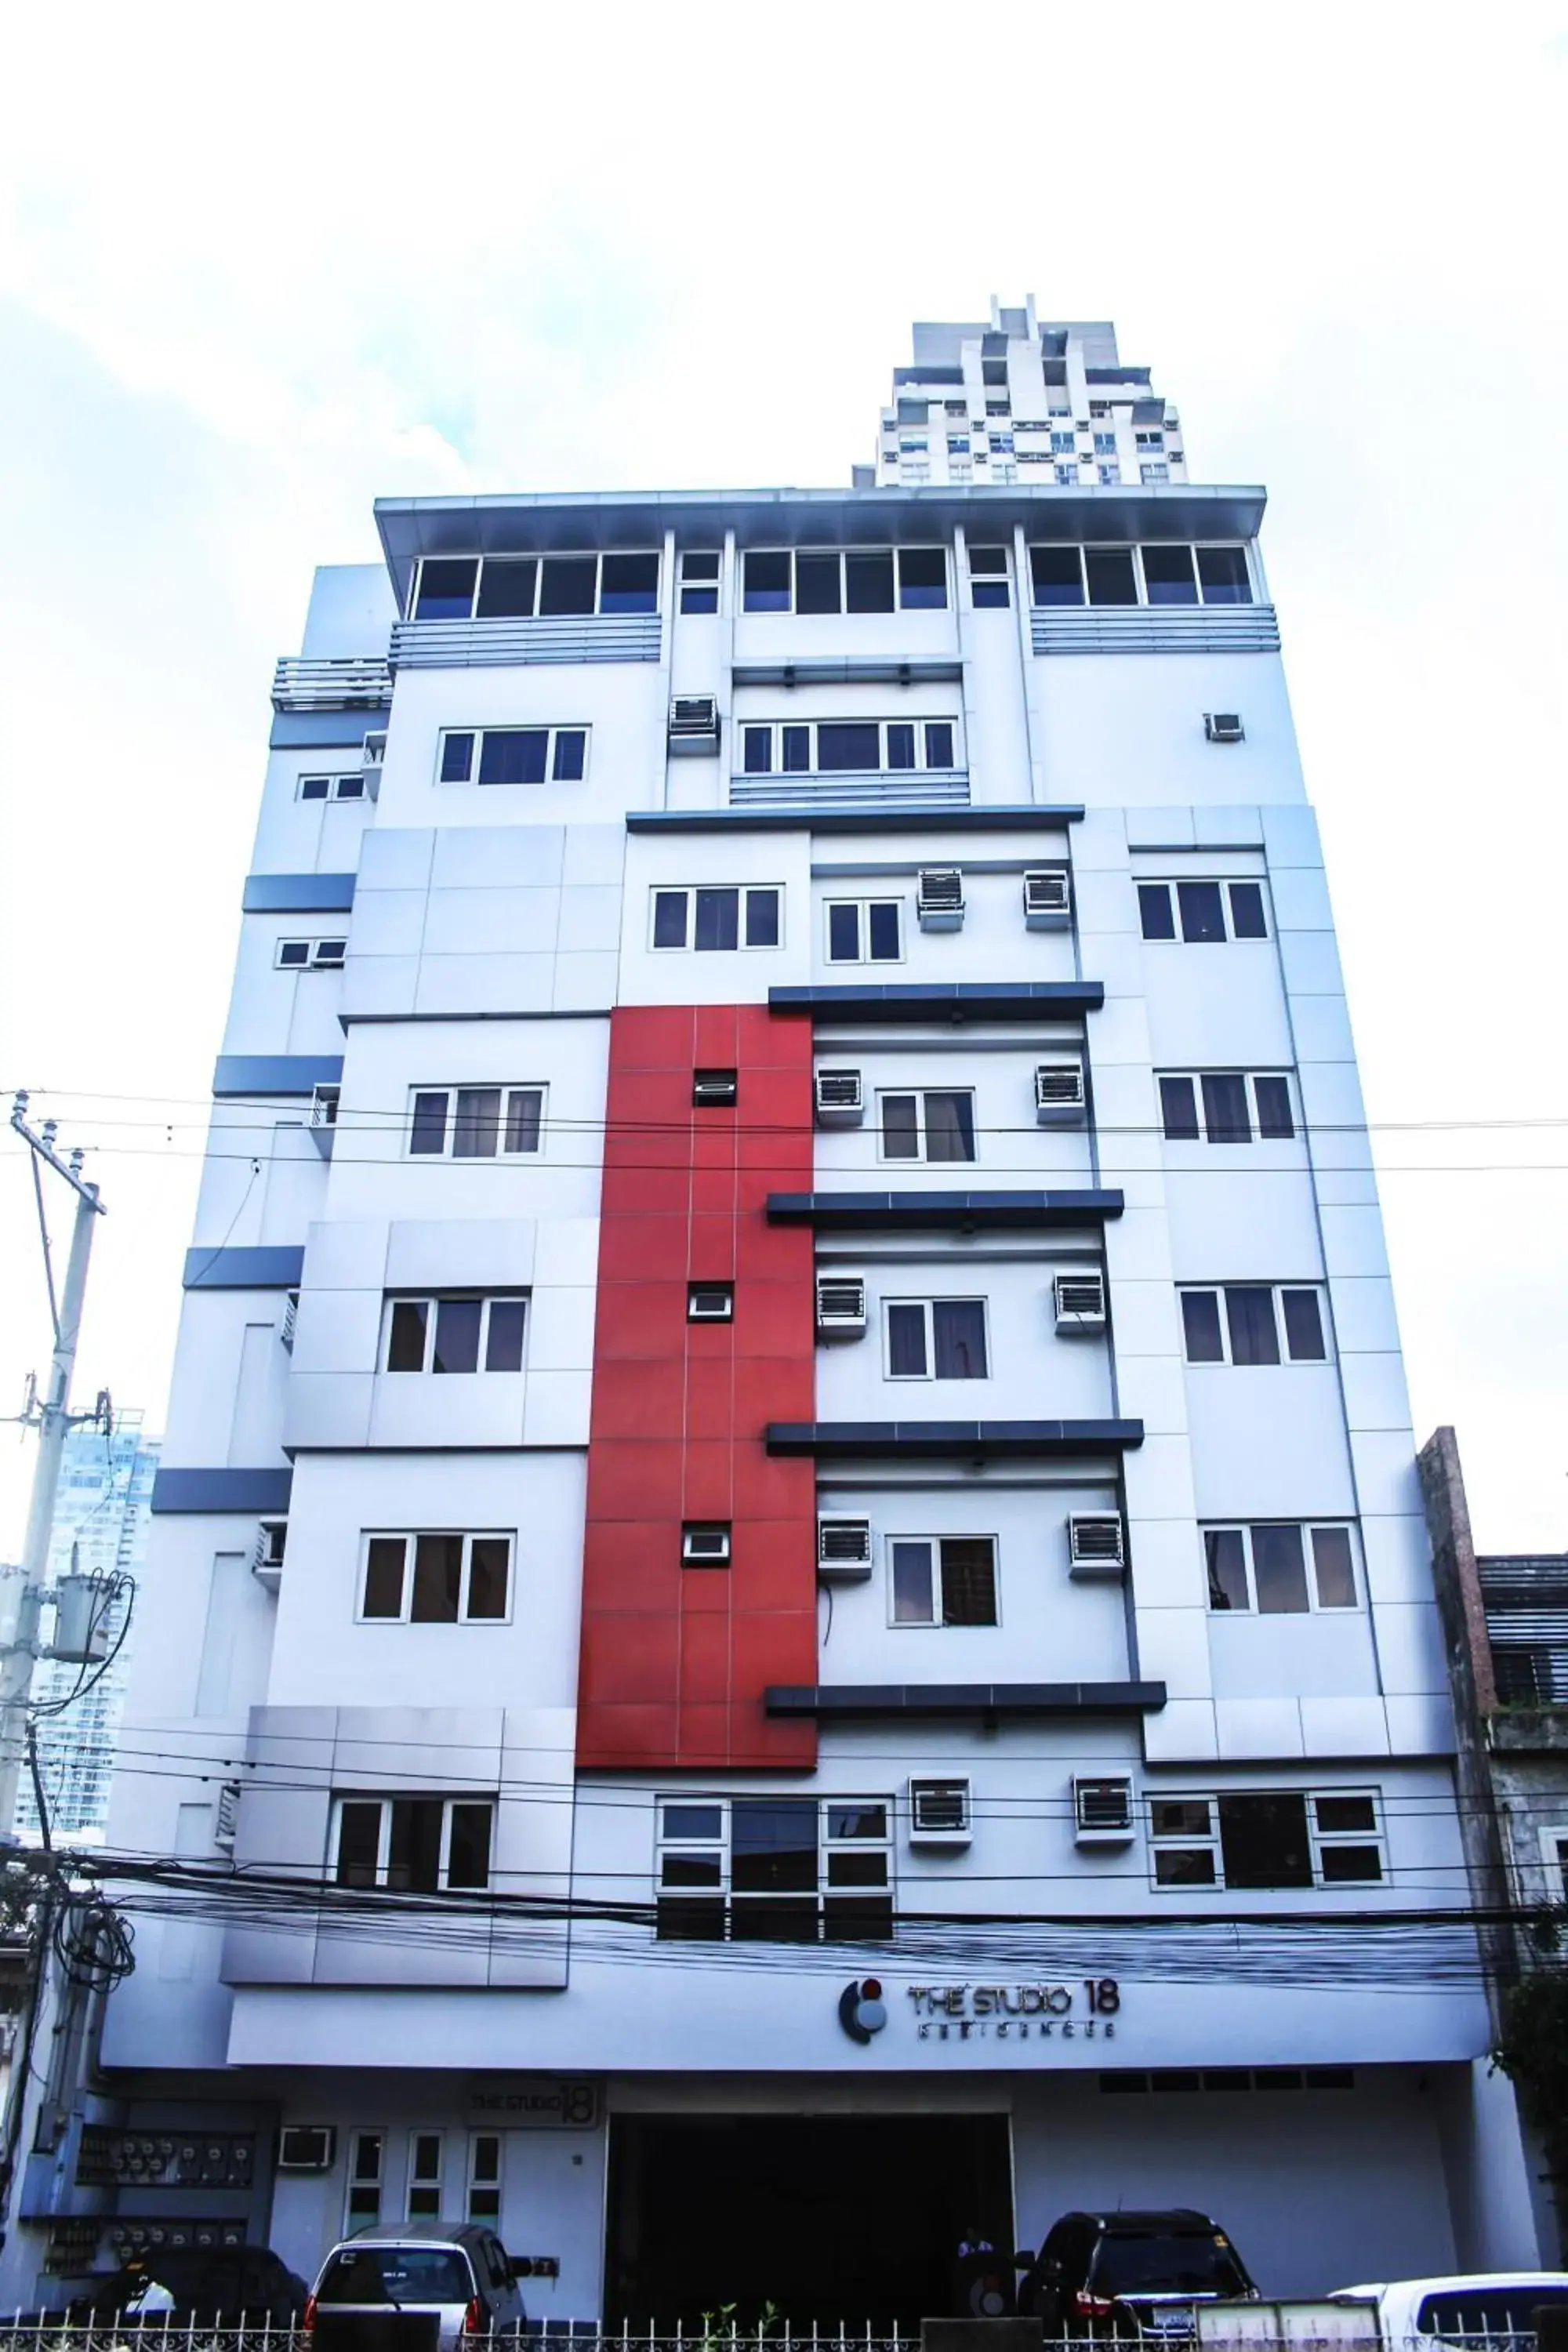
(1154, 629)
(57, 2331)
(873, 788)
(355, 682)
(481, 645)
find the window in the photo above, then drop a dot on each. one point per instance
(458, 1332)
(436, 1579)
(362, 2205)
(1066, 477)
(787, 1870)
(1062, 445)
(708, 919)
(475, 1122)
(1209, 912)
(1279, 1838)
(933, 1125)
(874, 580)
(942, 1579)
(425, 2154)
(310, 955)
(865, 930)
(715, 1089)
(1554, 1854)
(1243, 1323)
(412, 1845)
(518, 587)
(847, 746)
(1226, 1107)
(935, 1338)
(1279, 1569)
(1223, 575)
(1163, 576)
(512, 755)
(711, 1302)
(988, 574)
(331, 788)
(699, 580)
(484, 2177)
(1110, 474)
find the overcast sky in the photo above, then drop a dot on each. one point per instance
(257, 268)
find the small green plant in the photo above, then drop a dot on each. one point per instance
(1532, 2051)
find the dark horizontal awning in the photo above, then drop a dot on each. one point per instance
(942, 999)
(999, 1440)
(851, 1702)
(969, 1211)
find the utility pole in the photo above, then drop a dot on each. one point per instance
(54, 1420)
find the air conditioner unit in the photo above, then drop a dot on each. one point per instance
(1047, 899)
(715, 1089)
(373, 760)
(939, 1812)
(840, 1098)
(267, 1552)
(290, 1317)
(1095, 1546)
(1224, 725)
(324, 1118)
(938, 900)
(693, 725)
(225, 1820)
(844, 1550)
(706, 1545)
(1061, 1096)
(1079, 1301)
(841, 1306)
(307, 2147)
(1102, 1812)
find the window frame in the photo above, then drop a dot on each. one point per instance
(554, 734)
(448, 1155)
(1554, 1860)
(314, 960)
(1225, 884)
(900, 602)
(862, 930)
(990, 584)
(1140, 598)
(335, 783)
(938, 1622)
(745, 892)
(920, 1157)
(1249, 1080)
(425, 2185)
(386, 1800)
(1307, 1529)
(921, 724)
(538, 558)
(476, 2187)
(361, 2216)
(409, 1538)
(700, 582)
(432, 1300)
(1319, 1840)
(1224, 1360)
(717, 1848)
(928, 1306)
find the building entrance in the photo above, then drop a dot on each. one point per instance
(828, 2218)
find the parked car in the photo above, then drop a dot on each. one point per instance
(1130, 2274)
(441, 2280)
(1461, 2309)
(232, 2284)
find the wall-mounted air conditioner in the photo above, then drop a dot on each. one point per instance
(705, 1543)
(1079, 1303)
(1224, 726)
(324, 1118)
(307, 2147)
(841, 1306)
(693, 724)
(1102, 1812)
(938, 900)
(225, 1820)
(840, 1098)
(290, 1317)
(939, 1812)
(267, 1552)
(373, 760)
(1095, 1546)
(844, 1550)
(1047, 899)
(715, 1089)
(1061, 1096)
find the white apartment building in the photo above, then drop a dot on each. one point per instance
(807, 1400)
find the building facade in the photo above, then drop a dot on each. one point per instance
(792, 1607)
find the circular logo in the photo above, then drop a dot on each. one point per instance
(861, 2013)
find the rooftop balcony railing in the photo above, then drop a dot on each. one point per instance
(483, 645)
(352, 682)
(874, 788)
(1154, 629)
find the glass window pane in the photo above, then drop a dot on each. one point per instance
(840, 746)
(773, 1845)
(506, 588)
(384, 1565)
(414, 1853)
(1057, 574)
(718, 920)
(857, 1870)
(756, 750)
(762, 918)
(1304, 1327)
(1109, 573)
(817, 587)
(1200, 1326)
(1342, 1864)
(1202, 911)
(429, 1129)
(525, 1107)
(843, 934)
(1226, 1569)
(856, 1821)
(796, 746)
(700, 563)
(922, 577)
(1225, 1115)
(571, 755)
(1279, 1571)
(457, 759)
(1254, 1334)
(1154, 910)
(690, 1921)
(456, 1347)
(700, 600)
(900, 1127)
(958, 1336)
(988, 559)
(968, 1580)
(476, 1130)
(1168, 575)
(446, 588)
(1193, 1868)
(1223, 571)
(514, 755)
(567, 584)
(1335, 1574)
(359, 1844)
(1178, 1110)
(1246, 910)
(790, 1921)
(692, 1821)
(1180, 1817)
(468, 1854)
(350, 788)
(406, 1336)
(670, 919)
(1275, 1123)
(940, 750)
(914, 1586)
(489, 1563)
(438, 1580)
(691, 1870)
(907, 1356)
(314, 787)
(628, 583)
(900, 745)
(868, 583)
(882, 924)
(1264, 1841)
(766, 582)
(503, 1340)
(1334, 1813)
(950, 1126)
(988, 592)
(293, 954)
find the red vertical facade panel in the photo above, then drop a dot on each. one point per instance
(674, 1660)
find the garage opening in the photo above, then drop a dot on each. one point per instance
(827, 2217)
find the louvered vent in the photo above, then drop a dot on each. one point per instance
(938, 901)
(1095, 1545)
(841, 1306)
(1080, 1302)
(939, 1812)
(844, 1550)
(694, 723)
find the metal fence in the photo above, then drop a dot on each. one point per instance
(57, 2331)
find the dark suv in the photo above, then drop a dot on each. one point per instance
(192, 2283)
(1126, 2275)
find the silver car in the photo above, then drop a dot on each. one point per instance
(419, 2286)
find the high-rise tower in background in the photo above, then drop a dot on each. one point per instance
(810, 1399)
